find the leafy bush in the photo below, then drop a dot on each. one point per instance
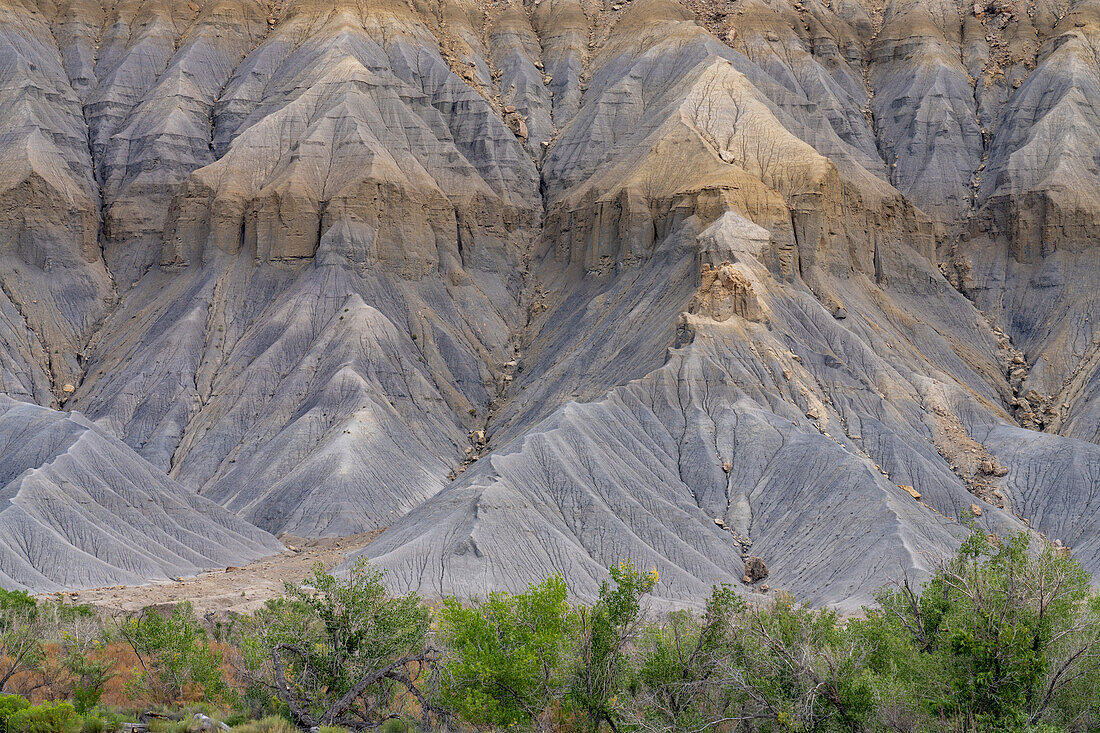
(89, 677)
(236, 717)
(397, 726)
(1004, 637)
(17, 600)
(509, 654)
(49, 717)
(78, 670)
(21, 633)
(101, 720)
(680, 659)
(799, 668)
(9, 705)
(1005, 634)
(93, 724)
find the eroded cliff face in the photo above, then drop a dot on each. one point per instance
(543, 285)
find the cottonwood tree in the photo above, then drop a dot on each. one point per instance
(741, 667)
(1006, 635)
(682, 681)
(342, 651)
(800, 666)
(78, 670)
(175, 658)
(605, 633)
(508, 655)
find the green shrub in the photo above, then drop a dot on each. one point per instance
(104, 720)
(509, 654)
(237, 717)
(89, 676)
(49, 717)
(678, 660)
(76, 668)
(355, 653)
(398, 726)
(9, 705)
(17, 600)
(21, 632)
(1005, 634)
(606, 631)
(197, 708)
(115, 719)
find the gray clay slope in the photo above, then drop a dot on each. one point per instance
(83, 510)
(539, 286)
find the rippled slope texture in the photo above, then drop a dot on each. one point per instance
(81, 510)
(538, 286)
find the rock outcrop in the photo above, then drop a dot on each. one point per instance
(723, 293)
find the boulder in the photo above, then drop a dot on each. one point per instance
(755, 570)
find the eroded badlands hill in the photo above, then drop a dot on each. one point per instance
(542, 285)
(81, 510)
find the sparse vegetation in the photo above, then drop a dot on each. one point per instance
(268, 724)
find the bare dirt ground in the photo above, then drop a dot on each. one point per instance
(233, 590)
